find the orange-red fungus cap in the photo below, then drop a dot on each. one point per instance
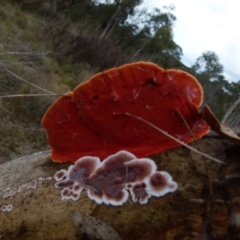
(92, 121)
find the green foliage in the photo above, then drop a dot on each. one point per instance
(67, 41)
(88, 31)
(26, 58)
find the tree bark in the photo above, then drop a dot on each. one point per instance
(203, 207)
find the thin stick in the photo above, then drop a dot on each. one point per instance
(208, 220)
(22, 53)
(230, 110)
(31, 95)
(25, 80)
(199, 149)
(173, 138)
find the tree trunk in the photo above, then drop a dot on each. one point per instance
(203, 207)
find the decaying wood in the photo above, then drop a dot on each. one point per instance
(189, 213)
(94, 228)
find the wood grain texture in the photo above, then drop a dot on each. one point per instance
(189, 213)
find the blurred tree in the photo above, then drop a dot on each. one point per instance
(154, 42)
(111, 33)
(208, 67)
(232, 115)
(218, 91)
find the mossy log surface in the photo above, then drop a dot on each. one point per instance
(192, 212)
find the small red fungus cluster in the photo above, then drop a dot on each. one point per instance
(92, 120)
(111, 180)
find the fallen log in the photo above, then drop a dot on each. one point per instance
(206, 204)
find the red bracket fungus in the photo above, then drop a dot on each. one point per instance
(92, 120)
(110, 180)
